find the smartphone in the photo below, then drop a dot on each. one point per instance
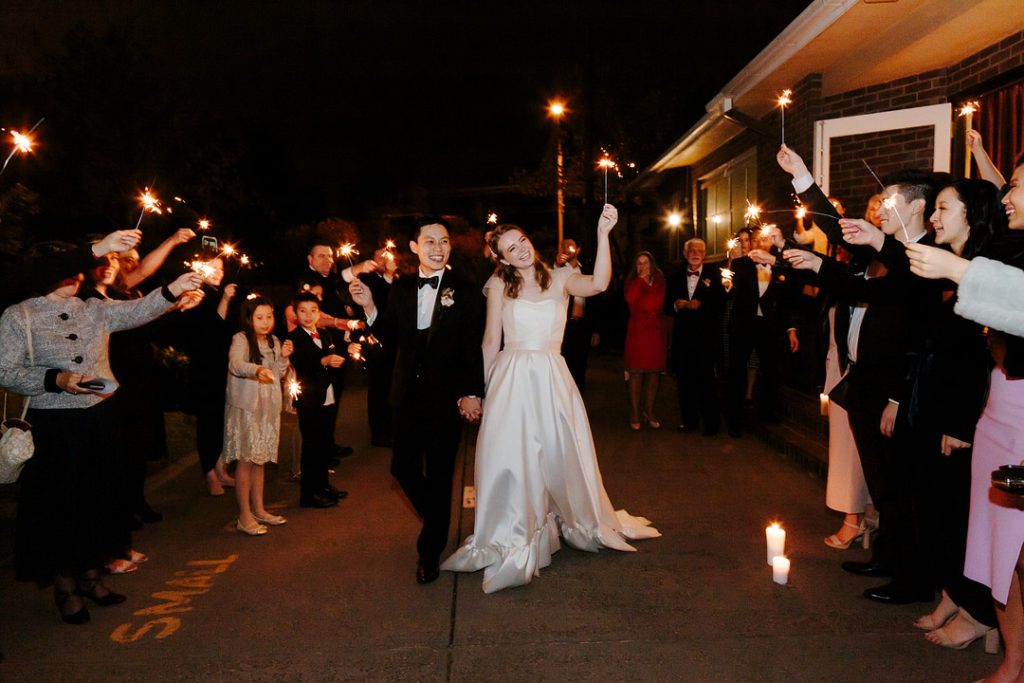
(209, 241)
(92, 385)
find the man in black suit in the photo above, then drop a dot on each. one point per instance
(382, 364)
(874, 340)
(318, 357)
(760, 319)
(694, 302)
(435, 322)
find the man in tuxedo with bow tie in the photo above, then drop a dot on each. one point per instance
(435, 322)
(761, 319)
(694, 302)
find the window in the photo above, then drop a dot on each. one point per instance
(723, 197)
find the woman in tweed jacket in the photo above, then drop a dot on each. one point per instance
(50, 346)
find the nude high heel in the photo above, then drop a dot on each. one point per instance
(946, 638)
(834, 541)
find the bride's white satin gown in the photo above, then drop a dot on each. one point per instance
(536, 468)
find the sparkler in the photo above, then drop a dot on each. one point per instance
(389, 244)
(149, 203)
(201, 267)
(969, 108)
(294, 389)
(872, 172)
(801, 211)
(605, 163)
(251, 296)
(347, 250)
(784, 99)
(890, 204)
(732, 244)
(243, 259)
(726, 275)
(203, 223)
(753, 213)
(22, 143)
(492, 218)
(227, 250)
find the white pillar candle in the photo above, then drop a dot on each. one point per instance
(776, 537)
(780, 570)
(823, 399)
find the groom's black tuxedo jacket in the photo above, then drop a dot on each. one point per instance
(446, 359)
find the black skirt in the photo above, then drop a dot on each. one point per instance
(65, 518)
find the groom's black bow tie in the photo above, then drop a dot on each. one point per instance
(432, 281)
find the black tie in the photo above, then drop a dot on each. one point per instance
(432, 281)
(693, 273)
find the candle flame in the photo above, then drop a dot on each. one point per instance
(969, 108)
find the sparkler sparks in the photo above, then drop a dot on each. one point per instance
(347, 250)
(604, 164)
(201, 267)
(389, 244)
(969, 108)
(22, 143)
(227, 250)
(294, 389)
(732, 244)
(204, 224)
(753, 213)
(492, 218)
(801, 211)
(150, 203)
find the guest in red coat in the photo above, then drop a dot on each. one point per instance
(645, 355)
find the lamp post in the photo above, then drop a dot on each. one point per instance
(557, 109)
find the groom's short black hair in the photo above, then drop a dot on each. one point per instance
(424, 220)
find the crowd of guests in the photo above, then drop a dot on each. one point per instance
(918, 303)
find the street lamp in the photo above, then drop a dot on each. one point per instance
(557, 109)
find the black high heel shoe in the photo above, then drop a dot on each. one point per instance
(90, 586)
(61, 598)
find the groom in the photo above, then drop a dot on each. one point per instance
(434, 322)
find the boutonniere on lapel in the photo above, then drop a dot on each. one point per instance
(706, 281)
(447, 297)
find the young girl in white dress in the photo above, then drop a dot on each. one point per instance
(536, 466)
(257, 361)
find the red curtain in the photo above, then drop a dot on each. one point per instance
(1000, 120)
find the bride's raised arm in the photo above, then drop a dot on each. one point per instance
(588, 285)
(492, 331)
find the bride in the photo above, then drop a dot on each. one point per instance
(536, 468)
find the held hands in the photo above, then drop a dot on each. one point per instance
(185, 283)
(265, 375)
(791, 162)
(609, 217)
(802, 259)
(950, 444)
(469, 406)
(119, 240)
(287, 348)
(859, 231)
(932, 263)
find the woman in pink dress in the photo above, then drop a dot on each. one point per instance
(646, 350)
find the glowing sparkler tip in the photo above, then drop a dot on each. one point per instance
(492, 218)
(244, 260)
(228, 250)
(294, 389)
(752, 213)
(606, 163)
(251, 296)
(390, 244)
(969, 108)
(204, 224)
(785, 98)
(22, 142)
(801, 211)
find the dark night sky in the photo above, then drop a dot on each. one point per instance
(369, 93)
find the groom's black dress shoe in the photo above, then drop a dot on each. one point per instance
(331, 492)
(867, 568)
(427, 572)
(894, 594)
(317, 500)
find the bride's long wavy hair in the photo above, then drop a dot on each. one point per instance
(509, 274)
